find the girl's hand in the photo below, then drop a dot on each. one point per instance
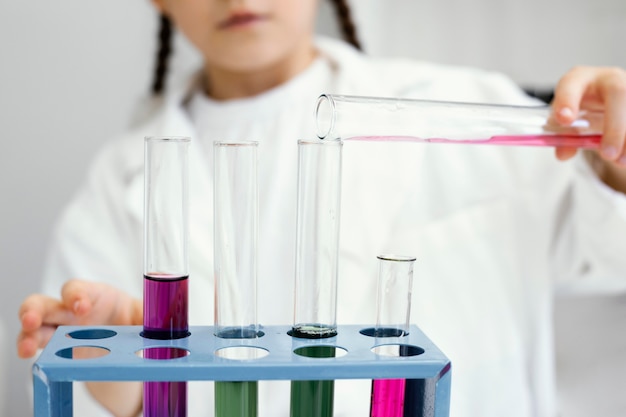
(81, 303)
(597, 88)
(594, 88)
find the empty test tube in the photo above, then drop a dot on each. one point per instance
(393, 302)
(236, 231)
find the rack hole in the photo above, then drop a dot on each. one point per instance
(162, 353)
(383, 332)
(83, 352)
(321, 351)
(91, 334)
(242, 353)
(397, 350)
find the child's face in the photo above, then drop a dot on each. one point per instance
(244, 35)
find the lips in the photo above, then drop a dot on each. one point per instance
(240, 19)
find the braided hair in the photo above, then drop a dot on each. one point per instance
(163, 53)
(348, 29)
(166, 32)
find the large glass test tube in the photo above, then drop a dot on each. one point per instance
(395, 280)
(236, 231)
(400, 119)
(317, 251)
(317, 238)
(165, 308)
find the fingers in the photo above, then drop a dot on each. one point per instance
(569, 93)
(38, 310)
(82, 302)
(612, 89)
(39, 316)
(79, 296)
(595, 88)
(97, 303)
(564, 154)
(29, 342)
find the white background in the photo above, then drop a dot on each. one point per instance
(71, 71)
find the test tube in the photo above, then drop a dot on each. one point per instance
(393, 303)
(236, 231)
(412, 120)
(317, 251)
(317, 238)
(165, 299)
(395, 280)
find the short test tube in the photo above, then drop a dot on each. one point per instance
(393, 309)
(393, 300)
(403, 119)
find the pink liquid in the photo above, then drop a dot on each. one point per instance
(580, 141)
(387, 398)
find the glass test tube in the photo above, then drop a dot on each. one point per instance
(400, 119)
(317, 239)
(395, 280)
(393, 305)
(317, 252)
(236, 231)
(165, 303)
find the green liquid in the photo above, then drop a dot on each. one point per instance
(236, 399)
(313, 398)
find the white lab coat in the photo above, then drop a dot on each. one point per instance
(493, 228)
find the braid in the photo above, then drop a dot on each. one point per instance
(165, 48)
(342, 10)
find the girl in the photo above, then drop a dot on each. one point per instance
(493, 228)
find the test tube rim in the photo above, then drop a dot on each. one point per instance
(235, 143)
(329, 125)
(181, 139)
(320, 142)
(396, 258)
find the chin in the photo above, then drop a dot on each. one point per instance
(248, 61)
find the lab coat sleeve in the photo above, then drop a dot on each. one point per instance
(589, 248)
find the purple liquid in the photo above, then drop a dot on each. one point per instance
(164, 399)
(165, 307)
(387, 398)
(165, 317)
(570, 141)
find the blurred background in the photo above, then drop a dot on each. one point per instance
(71, 73)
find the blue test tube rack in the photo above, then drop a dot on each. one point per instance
(55, 370)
